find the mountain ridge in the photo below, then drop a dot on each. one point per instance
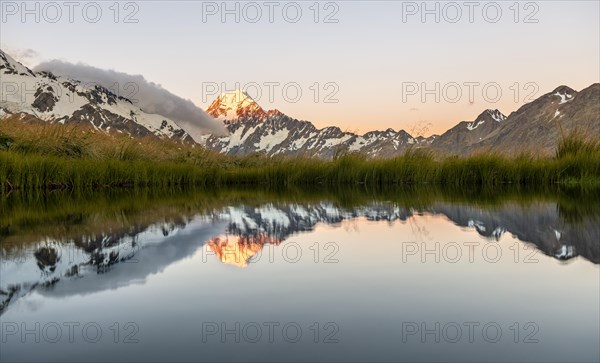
(535, 127)
(538, 126)
(528, 129)
(63, 100)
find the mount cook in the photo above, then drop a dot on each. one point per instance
(535, 127)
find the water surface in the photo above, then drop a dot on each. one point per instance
(346, 276)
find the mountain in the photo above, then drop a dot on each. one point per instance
(235, 105)
(254, 130)
(458, 139)
(538, 126)
(237, 235)
(63, 100)
(239, 250)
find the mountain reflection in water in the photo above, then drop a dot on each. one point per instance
(63, 262)
(238, 250)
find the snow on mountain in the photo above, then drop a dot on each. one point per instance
(274, 223)
(254, 130)
(63, 100)
(494, 114)
(564, 96)
(235, 105)
(535, 127)
(538, 126)
(242, 230)
(466, 133)
(10, 66)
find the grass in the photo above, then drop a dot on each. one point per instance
(67, 215)
(35, 155)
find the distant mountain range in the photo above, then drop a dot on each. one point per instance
(254, 130)
(237, 234)
(63, 100)
(535, 127)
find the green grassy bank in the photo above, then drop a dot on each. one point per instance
(29, 217)
(36, 156)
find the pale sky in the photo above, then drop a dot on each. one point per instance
(375, 58)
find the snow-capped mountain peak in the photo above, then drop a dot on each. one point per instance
(496, 115)
(65, 100)
(565, 96)
(487, 115)
(9, 65)
(235, 105)
(255, 130)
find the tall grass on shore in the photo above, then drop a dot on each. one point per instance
(35, 155)
(66, 215)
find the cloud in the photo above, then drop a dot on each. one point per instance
(149, 96)
(27, 57)
(28, 53)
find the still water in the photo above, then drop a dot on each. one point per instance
(247, 276)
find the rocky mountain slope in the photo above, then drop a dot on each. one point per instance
(271, 132)
(540, 224)
(458, 139)
(63, 100)
(237, 234)
(538, 126)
